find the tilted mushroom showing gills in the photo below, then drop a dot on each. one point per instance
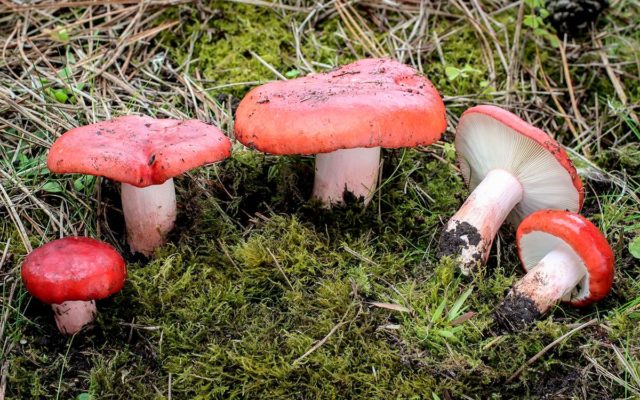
(144, 154)
(70, 274)
(566, 258)
(513, 169)
(344, 116)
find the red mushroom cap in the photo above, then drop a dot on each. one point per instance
(584, 238)
(489, 137)
(370, 103)
(538, 135)
(73, 269)
(138, 150)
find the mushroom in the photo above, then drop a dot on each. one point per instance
(70, 274)
(344, 117)
(144, 154)
(566, 258)
(513, 169)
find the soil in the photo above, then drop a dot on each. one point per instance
(516, 312)
(453, 240)
(554, 385)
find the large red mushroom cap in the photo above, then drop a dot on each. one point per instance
(544, 230)
(138, 150)
(73, 269)
(489, 138)
(370, 103)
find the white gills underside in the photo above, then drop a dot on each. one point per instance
(484, 144)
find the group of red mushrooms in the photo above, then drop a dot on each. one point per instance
(517, 173)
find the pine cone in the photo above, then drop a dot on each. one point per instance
(574, 17)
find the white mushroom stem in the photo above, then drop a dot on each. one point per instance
(71, 316)
(352, 170)
(551, 280)
(150, 214)
(470, 232)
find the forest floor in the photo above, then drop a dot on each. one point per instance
(262, 294)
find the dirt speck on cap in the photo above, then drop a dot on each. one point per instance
(516, 312)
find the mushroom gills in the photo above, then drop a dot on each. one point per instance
(469, 233)
(72, 316)
(346, 170)
(551, 280)
(150, 214)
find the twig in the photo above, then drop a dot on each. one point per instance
(280, 268)
(321, 341)
(549, 347)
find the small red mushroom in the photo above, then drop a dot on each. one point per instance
(144, 154)
(513, 169)
(566, 258)
(70, 274)
(344, 116)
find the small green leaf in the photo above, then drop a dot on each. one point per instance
(450, 151)
(61, 35)
(52, 187)
(293, 73)
(84, 396)
(634, 247)
(468, 68)
(438, 312)
(82, 182)
(457, 308)
(532, 21)
(452, 73)
(445, 334)
(65, 73)
(553, 40)
(60, 95)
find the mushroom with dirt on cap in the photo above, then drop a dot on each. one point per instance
(70, 274)
(566, 258)
(344, 117)
(513, 169)
(144, 154)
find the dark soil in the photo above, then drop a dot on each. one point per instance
(555, 385)
(454, 240)
(516, 312)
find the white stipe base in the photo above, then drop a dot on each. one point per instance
(71, 316)
(351, 170)
(150, 214)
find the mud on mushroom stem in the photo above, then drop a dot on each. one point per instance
(470, 232)
(545, 285)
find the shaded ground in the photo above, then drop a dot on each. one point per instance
(261, 294)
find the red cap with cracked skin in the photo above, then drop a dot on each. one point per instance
(138, 150)
(538, 135)
(584, 238)
(369, 103)
(73, 269)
